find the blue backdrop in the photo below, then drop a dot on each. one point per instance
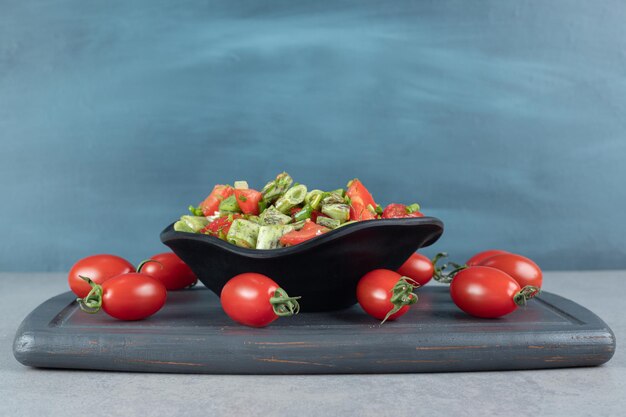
(506, 119)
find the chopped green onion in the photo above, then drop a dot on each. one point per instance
(379, 209)
(196, 211)
(412, 208)
(304, 214)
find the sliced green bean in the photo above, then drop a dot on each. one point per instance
(314, 198)
(339, 212)
(277, 187)
(298, 225)
(195, 223)
(181, 226)
(243, 233)
(269, 236)
(254, 219)
(293, 197)
(333, 198)
(273, 216)
(328, 222)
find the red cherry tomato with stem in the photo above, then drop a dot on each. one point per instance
(418, 267)
(486, 292)
(169, 270)
(385, 294)
(99, 268)
(520, 268)
(132, 296)
(255, 300)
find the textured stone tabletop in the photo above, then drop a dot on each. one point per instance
(568, 392)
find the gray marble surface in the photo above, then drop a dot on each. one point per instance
(565, 392)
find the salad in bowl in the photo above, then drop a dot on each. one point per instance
(284, 213)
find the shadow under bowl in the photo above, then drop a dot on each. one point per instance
(324, 271)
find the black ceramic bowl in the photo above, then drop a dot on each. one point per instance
(324, 271)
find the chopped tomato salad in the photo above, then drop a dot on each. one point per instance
(284, 213)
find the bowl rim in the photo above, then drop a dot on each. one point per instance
(169, 234)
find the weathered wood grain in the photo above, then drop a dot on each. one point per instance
(192, 335)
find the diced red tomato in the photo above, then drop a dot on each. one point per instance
(315, 214)
(394, 211)
(360, 199)
(308, 231)
(248, 200)
(415, 214)
(212, 203)
(294, 210)
(398, 211)
(220, 226)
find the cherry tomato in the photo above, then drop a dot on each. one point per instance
(384, 294)
(99, 268)
(522, 269)
(487, 292)
(360, 201)
(211, 204)
(481, 256)
(256, 300)
(132, 296)
(170, 271)
(308, 231)
(248, 200)
(418, 267)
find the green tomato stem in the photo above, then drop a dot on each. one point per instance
(525, 294)
(284, 305)
(92, 302)
(440, 274)
(402, 295)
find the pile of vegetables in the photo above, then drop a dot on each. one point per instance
(283, 213)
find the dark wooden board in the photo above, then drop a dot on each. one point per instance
(191, 334)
